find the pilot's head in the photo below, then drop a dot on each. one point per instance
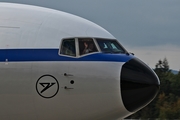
(91, 46)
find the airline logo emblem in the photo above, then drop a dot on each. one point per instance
(47, 86)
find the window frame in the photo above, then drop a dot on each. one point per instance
(77, 53)
(60, 46)
(125, 51)
(95, 43)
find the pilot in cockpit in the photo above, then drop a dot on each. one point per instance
(88, 48)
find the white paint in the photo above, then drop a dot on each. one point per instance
(25, 26)
(96, 92)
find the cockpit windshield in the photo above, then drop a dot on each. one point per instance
(110, 46)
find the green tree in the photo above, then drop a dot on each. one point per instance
(175, 85)
(163, 71)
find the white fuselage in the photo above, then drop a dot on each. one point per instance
(42, 79)
(95, 93)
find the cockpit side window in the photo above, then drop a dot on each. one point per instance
(86, 45)
(68, 47)
(110, 46)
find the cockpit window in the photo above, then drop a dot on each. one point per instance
(68, 47)
(110, 46)
(86, 45)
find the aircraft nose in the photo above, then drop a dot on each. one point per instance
(139, 84)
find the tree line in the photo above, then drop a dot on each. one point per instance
(166, 105)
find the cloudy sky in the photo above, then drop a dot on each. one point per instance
(150, 29)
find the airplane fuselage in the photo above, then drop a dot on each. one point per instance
(47, 73)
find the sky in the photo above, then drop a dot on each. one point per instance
(148, 28)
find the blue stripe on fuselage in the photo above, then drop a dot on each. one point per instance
(20, 55)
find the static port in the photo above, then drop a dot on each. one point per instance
(72, 81)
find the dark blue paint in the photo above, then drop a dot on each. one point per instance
(20, 55)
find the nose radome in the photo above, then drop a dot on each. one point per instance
(139, 84)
